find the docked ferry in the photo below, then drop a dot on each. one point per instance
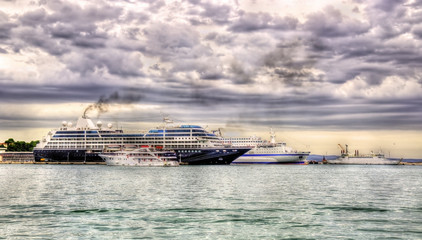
(141, 157)
(86, 140)
(264, 152)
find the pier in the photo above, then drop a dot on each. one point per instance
(28, 158)
(17, 157)
(53, 163)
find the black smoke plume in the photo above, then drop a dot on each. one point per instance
(104, 102)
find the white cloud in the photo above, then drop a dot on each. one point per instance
(393, 87)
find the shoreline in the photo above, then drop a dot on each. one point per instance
(54, 163)
(103, 163)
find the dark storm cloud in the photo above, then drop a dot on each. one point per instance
(63, 30)
(249, 22)
(156, 5)
(388, 5)
(288, 66)
(239, 74)
(70, 22)
(356, 47)
(37, 38)
(364, 48)
(170, 41)
(390, 19)
(34, 18)
(5, 29)
(319, 47)
(417, 31)
(181, 46)
(114, 62)
(322, 111)
(74, 34)
(331, 23)
(6, 25)
(64, 11)
(376, 58)
(50, 93)
(217, 13)
(221, 39)
(90, 41)
(254, 67)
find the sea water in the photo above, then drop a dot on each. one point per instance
(210, 202)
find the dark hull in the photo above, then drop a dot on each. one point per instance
(68, 155)
(208, 156)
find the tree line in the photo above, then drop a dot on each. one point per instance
(19, 146)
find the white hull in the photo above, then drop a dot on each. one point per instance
(113, 161)
(267, 153)
(364, 161)
(142, 157)
(271, 159)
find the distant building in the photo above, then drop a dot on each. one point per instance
(2, 149)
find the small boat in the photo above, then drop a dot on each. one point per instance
(357, 159)
(141, 157)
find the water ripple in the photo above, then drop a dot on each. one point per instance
(210, 202)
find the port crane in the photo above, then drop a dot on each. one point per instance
(344, 151)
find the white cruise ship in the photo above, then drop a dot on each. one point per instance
(358, 159)
(264, 152)
(252, 141)
(141, 157)
(83, 142)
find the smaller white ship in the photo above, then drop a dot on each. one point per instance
(357, 159)
(265, 152)
(141, 157)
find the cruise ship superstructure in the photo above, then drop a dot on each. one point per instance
(252, 141)
(264, 152)
(83, 142)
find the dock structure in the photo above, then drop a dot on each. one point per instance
(17, 157)
(28, 158)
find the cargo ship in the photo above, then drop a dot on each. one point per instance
(359, 159)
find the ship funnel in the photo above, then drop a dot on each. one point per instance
(272, 135)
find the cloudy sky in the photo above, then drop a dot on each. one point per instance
(319, 72)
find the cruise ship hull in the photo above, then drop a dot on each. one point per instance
(364, 161)
(203, 156)
(68, 155)
(298, 158)
(209, 156)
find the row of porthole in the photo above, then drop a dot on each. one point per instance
(190, 151)
(234, 150)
